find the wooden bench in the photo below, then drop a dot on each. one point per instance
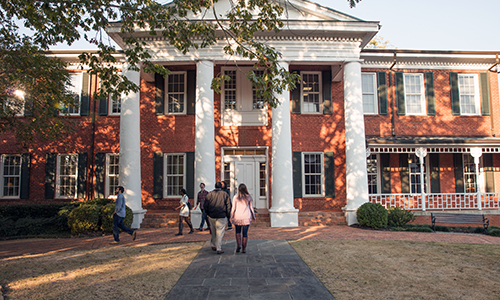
(459, 219)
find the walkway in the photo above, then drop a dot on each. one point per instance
(271, 269)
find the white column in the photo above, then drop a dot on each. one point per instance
(204, 149)
(477, 153)
(130, 148)
(356, 177)
(282, 212)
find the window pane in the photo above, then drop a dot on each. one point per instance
(176, 92)
(313, 174)
(414, 94)
(467, 90)
(68, 166)
(175, 174)
(230, 90)
(310, 92)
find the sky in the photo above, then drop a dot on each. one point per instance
(430, 24)
(422, 24)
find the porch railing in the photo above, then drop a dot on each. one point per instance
(438, 201)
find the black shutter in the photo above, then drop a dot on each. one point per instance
(405, 173)
(100, 175)
(158, 175)
(435, 175)
(327, 92)
(489, 173)
(81, 191)
(459, 172)
(190, 174)
(485, 94)
(295, 95)
(382, 93)
(85, 97)
(329, 174)
(103, 107)
(386, 173)
(400, 93)
(50, 175)
(159, 94)
(454, 96)
(28, 107)
(191, 92)
(297, 174)
(25, 176)
(429, 93)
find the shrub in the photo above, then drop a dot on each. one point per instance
(419, 229)
(84, 218)
(107, 217)
(494, 232)
(398, 216)
(372, 215)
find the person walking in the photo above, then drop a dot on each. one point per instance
(119, 215)
(184, 212)
(242, 215)
(202, 194)
(225, 189)
(218, 208)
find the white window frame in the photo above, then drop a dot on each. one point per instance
(59, 176)
(376, 172)
(464, 93)
(166, 176)
(322, 174)
(114, 104)
(2, 183)
(420, 93)
(168, 92)
(12, 105)
(366, 94)
(414, 159)
(303, 94)
(110, 188)
(76, 87)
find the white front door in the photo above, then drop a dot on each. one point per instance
(250, 170)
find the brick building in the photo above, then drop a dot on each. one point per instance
(409, 128)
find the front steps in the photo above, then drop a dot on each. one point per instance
(170, 219)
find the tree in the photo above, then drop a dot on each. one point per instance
(24, 67)
(379, 42)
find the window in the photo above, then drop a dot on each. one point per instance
(311, 92)
(470, 180)
(14, 104)
(11, 176)
(414, 94)
(112, 173)
(262, 179)
(369, 87)
(415, 174)
(174, 174)
(115, 106)
(76, 88)
(372, 172)
(227, 173)
(242, 103)
(469, 94)
(67, 171)
(312, 174)
(176, 93)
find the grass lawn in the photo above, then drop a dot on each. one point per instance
(138, 272)
(377, 269)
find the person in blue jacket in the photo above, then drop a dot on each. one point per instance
(119, 216)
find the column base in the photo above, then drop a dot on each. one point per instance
(351, 216)
(196, 218)
(138, 217)
(284, 218)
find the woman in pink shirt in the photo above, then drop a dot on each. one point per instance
(242, 215)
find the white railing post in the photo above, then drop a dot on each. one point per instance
(422, 153)
(476, 153)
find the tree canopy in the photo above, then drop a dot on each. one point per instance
(43, 80)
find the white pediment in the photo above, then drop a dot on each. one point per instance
(294, 10)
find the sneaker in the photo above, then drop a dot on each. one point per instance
(177, 234)
(229, 228)
(134, 235)
(191, 231)
(114, 243)
(199, 229)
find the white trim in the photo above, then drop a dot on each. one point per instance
(320, 93)
(2, 176)
(430, 149)
(303, 175)
(58, 177)
(184, 93)
(111, 103)
(375, 93)
(165, 175)
(107, 193)
(423, 107)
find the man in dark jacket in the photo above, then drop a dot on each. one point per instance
(218, 208)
